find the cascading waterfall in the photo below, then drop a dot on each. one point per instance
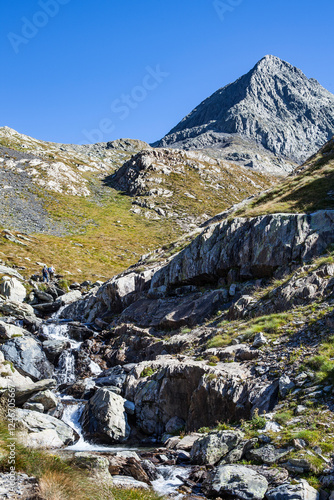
(65, 371)
(167, 482)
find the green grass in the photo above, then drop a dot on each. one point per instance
(148, 372)
(59, 479)
(305, 192)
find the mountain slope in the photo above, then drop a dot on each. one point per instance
(275, 105)
(89, 225)
(309, 188)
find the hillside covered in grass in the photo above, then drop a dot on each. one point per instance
(64, 198)
(309, 188)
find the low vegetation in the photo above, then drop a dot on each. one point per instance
(309, 188)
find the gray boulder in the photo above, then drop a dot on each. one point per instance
(12, 289)
(239, 481)
(43, 431)
(28, 357)
(209, 449)
(24, 391)
(47, 398)
(43, 296)
(268, 454)
(7, 331)
(11, 272)
(34, 407)
(300, 491)
(17, 309)
(285, 385)
(53, 348)
(105, 418)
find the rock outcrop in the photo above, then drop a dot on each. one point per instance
(104, 417)
(43, 431)
(28, 357)
(255, 247)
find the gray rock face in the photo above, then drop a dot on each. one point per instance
(300, 491)
(17, 309)
(105, 418)
(239, 481)
(175, 312)
(44, 431)
(27, 356)
(275, 105)
(268, 454)
(7, 331)
(183, 389)
(209, 449)
(47, 398)
(257, 247)
(12, 288)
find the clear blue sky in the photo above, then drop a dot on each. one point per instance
(69, 69)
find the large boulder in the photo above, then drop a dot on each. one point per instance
(208, 450)
(39, 430)
(54, 347)
(299, 491)
(25, 390)
(69, 298)
(47, 398)
(12, 289)
(238, 481)
(255, 247)
(28, 357)
(104, 417)
(7, 331)
(197, 393)
(11, 272)
(17, 309)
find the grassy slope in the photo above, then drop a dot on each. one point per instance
(103, 236)
(307, 190)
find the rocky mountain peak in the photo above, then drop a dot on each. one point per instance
(274, 105)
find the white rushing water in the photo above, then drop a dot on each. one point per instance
(168, 482)
(71, 417)
(65, 371)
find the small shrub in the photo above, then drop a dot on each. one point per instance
(148, 371)
(257, 421)
(213, 360)
(204, 430)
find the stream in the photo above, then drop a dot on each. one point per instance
(167, 483)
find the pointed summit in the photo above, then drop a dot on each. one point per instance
(274, 105)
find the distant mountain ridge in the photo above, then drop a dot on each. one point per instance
(275, 105)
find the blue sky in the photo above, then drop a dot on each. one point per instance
(82, 71)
